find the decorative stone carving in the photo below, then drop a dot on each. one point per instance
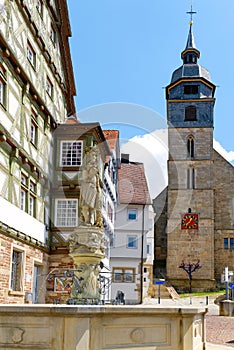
(137, 335)
(87, 240)
(17, 336)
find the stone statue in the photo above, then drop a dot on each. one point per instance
(90, 191)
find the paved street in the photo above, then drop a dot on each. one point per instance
(219, 329)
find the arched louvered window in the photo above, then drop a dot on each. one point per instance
(190, 146)
(190, 113)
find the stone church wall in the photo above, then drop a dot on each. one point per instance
(223, 213)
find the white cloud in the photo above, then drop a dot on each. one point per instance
(229, 156)
(152, 150)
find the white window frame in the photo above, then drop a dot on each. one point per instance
(132, 239)
(65, 210)
(23, 199)
(32, 203)
(33, 132)
(65, 148)
(132, 212)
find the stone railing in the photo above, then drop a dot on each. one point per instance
(63, 327)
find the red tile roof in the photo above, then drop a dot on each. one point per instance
(72, 120)
(133, 188)
(111, 137)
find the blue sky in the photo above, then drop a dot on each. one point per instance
(124, 52)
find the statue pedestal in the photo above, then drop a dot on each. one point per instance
(86, 249)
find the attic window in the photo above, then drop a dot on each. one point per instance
(190, 113)
(190, 89)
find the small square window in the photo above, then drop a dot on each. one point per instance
(66, 212)
(132, 214)
(190, 89)
(132, 242)
(71, 153)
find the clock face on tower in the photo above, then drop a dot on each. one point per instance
(189, 222)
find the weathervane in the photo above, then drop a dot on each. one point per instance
(191, 13)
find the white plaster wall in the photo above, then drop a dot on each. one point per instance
(129, 289)
(14, 217)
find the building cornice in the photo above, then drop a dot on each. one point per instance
(22, 237)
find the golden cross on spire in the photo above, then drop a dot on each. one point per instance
(191, 13)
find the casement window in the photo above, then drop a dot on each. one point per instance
(190, 113)
(23, 192)
(123, 275)
(33, 130)
(190, 178)
(17, 273)
(132, 214)
(132, 242)
(71, 153)
(39, 7)
(49, 87)
(31, 55)
(66, 212)
(28, 195)
(190, 146)
(32, 201)
(3, 85)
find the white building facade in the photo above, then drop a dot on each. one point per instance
(132, 247)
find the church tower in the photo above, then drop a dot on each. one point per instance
(190, 211)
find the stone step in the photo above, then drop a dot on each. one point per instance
(166, 291)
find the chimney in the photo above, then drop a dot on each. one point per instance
(125, 158)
